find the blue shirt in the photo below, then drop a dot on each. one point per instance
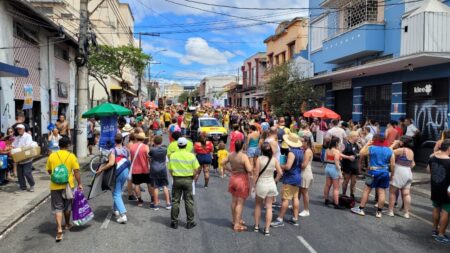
(293, 176)
(379, 157)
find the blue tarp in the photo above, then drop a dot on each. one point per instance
(7, 70)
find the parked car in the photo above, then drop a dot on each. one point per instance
(213, 128)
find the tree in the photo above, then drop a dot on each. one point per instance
(288, 91)
(183, 97)
(115, 61)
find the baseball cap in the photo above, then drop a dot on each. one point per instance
(182, 141)
(20, 126)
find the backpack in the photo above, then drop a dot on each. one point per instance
(280, 134)
(109, 176)
(60, 174)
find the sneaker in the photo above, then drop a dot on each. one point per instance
(116, 214)
(442, 239)
(255, 228)
(174, 224)
(293, 222)
(168, 207)
(304, 213)
(358, 210)
(277, 223)
(378, 214)
(132, 198)
(434, 233)
(140, 202)
(390, 214)
(31, 189)
(122, 220)
(190, 225)
(154, 207)
(406, 216)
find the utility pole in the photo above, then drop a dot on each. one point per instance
(82, 92)
(140, 74)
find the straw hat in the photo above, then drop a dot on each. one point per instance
(141, 136)
(127, 128)
(292, 140)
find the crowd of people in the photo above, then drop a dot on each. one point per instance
(264, 151)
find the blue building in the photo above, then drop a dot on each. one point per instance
(383, 59)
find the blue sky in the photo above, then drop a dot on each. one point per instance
(194, 43)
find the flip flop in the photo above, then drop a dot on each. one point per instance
(68, 226)
(59, 236)
(240, 229)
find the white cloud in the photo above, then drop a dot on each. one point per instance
(152, 50)
(198, 51)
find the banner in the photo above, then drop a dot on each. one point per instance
(54, 112)
(108, 132)
(28, 101)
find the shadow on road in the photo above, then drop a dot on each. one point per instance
(221, 222)
(163, 220)
(48, 228)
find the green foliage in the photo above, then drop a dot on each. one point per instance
(183, 97)
(287, 91)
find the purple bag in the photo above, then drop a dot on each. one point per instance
(81, 211)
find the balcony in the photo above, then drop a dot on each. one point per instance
(363, 40)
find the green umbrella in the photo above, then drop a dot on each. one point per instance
(105, 110)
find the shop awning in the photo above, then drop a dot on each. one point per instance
(129, 92)
(7, 70)
(384, 66)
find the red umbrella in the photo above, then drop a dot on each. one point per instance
(150, 105)
(321, 112)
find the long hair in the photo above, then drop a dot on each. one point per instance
(238, 145)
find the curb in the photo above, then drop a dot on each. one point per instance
(23, 212)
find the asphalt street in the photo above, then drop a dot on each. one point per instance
(326, 230)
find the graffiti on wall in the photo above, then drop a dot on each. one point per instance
(431, 118)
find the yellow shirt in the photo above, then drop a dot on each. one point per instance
(221, 155)
(167, 117)
(173, 147)
(183, 164)
(71, 162)
(226, 120)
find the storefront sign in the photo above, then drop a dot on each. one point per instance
(54, 112)
(28, 101)
(342, 85)
(108, 132)
(423, 89)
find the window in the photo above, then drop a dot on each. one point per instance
(318, 33)
(26, 34)
(253, 76)
(291, 47)
(377, 103)
(61, 53)
(360, 11)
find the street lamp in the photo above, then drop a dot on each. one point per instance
(140, 76)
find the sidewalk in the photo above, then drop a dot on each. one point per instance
(16, 204)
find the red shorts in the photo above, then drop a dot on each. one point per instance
(239, 185)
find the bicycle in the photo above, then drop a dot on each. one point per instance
(98, 160)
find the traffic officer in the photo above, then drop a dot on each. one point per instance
(183, 167)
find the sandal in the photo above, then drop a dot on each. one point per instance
(266, 233)
(256, 228)
(68, 226)
(240, 229)
(59, 236)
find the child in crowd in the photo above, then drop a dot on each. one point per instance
(222, 154)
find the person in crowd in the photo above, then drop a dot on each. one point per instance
(20, 119)
(126, 134)
(180, 122)
(336, 131)
(265, 185)
(203, 149)
(91, 134)
(60, 204)
(281, 131)
(158, 172)
(167, 118)
(411, 129)
(226, 120)
(305, 131)
(445, 136)
(372, 127)
(291, 180)
(439, 167)
(173, 128)
(366, 136)
(253, 144)
(115, 157)
(235, 135)
(391, 133)
(398, 128)
(140, 170)
(222, 154)
(381, 159)
(53, 139)
(63, 126)
(194, 127)
(238, 186)
(333, 171)
(173, 146)
(272, 140)
(24, 168)
(306, 174)
(350, 163)
(401, 175)
(183, 166)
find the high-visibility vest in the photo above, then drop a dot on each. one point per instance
(183, 164)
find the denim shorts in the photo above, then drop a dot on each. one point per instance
(331, 171)
(380, 178)
(253, 152)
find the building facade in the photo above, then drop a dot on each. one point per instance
(32, 41)
(113, 25)
(392, 58)
(253, 71)
(173, 91)
(213, 90)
